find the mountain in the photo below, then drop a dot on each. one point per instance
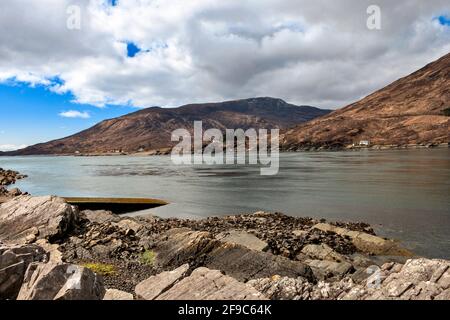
(412, 110)
(150, 129)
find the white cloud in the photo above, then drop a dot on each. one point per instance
(11, 147)
(75, 114)
(306, 52)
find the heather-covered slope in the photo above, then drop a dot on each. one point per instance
(409, 111)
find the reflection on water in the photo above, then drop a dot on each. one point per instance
(404, 194)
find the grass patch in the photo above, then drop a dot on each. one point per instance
(148, 257)
(101, 268)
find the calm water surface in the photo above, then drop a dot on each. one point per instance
(403, 194)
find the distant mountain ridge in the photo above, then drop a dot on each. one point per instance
(411, 110)
(150, 129)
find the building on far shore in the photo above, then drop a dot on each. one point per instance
(362, 143)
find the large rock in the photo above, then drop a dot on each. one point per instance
(180, 246)
(324, 269)
(322, 252)
(206, 284)
(154, 286)
(366, 242)
(114, 294)
(243, 238)
(25, 217)
(14, 261)
(244, 264)
(201, 249)
(61, 282)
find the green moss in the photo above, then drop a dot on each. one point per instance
(101, 268)
(148, 257)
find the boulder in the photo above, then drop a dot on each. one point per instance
(61, 282)
(206, 284)
(243, 238)
(324, 269)
(42, 217)
(365, 242)
(244, 264)
(180, 246)
(14, 261)
(154, 286)
(114, 294)
(322, 252)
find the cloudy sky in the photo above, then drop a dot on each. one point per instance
(56, 78)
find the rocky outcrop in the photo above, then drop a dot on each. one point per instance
(244, 264)
(154, 286)
(235, 257)
(181, 246)
(284, 235)
(8, 177)
(61, 282)
(365, 242)
(206, 284)
(24, 219)
(417, 279)
(14, 261)
(201, 249)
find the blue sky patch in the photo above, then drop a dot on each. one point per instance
(33, 114)
(132, 50)
(444, 20)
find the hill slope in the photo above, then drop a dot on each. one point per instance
(150, 129)
(412, 110)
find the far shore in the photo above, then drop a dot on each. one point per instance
(167, 151)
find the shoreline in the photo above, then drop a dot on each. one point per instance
(292, 149)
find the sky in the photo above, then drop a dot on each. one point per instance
(68, 64)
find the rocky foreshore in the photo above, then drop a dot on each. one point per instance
(51, 250)
(9, 177)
